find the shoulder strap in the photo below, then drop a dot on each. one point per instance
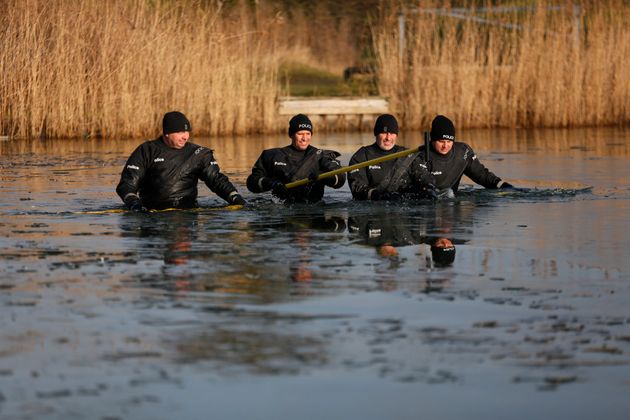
(304, 169)
(400, 167)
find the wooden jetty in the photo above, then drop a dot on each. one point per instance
(372, 105)
(335, 112)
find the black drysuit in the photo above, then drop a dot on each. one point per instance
(163, 177)
(287, 164)
(402, 175)
(447, 170)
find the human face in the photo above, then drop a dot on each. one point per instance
(176, 140)
(443, 146)
(301, 139)
(386, 141)
(443, 242)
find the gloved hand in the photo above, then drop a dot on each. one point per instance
(237, 199)
(137, 207)
(432, 192)
(383, 195)
(278, 189)
(506, 186)
(267, 183)
(378, 195)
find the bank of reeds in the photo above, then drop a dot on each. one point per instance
(545, 66)
(112, 68)
(94, 68)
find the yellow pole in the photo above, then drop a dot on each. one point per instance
(197, 209)
(353, 167)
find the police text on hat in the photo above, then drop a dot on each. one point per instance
(442, 129)
(300, 122)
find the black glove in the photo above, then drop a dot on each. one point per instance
(279, 190)
(267, 183)
(378, 195)
(431, 192)
(506, 186)
(137, 207)
(237, 199)
(382, 195)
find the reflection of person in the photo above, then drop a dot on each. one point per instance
(389, 232)
(442, 252)
(449, 160)
(385, 230)
(169, 238)
(392, 179)
(299, 160)
(164, 172)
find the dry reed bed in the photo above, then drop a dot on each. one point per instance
(112, 68)
(547, 73)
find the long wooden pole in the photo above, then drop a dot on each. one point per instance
(353, 167)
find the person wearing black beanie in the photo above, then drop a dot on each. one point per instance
(163, 173)
(442, 252)
(392, 179)
(300, 122)
(449, 159)
(385, 123)
(299, 160)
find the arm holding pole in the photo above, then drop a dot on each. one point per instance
(353, 167)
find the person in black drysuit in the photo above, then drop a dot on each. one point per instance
(299, 160)
(393, 179)
(163, 173)
(449, 160)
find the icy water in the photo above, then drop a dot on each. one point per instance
(334, 311)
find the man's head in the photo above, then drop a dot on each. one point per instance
(175, 129)
(386, 131)
(300, 131)
(442, 134)
(443, 252)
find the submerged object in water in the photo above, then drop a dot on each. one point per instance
(196, 209)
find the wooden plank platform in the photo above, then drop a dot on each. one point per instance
(333, 106)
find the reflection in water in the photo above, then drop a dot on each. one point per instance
(342, 299)
(260, 351)
(435, 226)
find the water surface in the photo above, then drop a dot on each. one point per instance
(329, 311)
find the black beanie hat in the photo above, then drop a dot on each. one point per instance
(442, 129)
(300, 122)
(443, 257)
(174, 122)
(385, 123)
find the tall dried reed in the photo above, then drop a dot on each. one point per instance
(112, 68)
(541, 67)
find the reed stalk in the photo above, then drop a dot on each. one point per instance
(112, 68)
(532, 68)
